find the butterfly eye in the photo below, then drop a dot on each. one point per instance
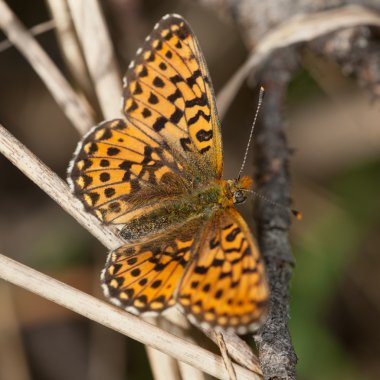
(239, 197)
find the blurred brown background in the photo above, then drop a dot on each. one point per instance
(335, 168)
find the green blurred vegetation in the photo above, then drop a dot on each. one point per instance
(322, 257)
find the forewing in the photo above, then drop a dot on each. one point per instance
(168, 91)
(119, 172)
(144, 278)
(225, 286)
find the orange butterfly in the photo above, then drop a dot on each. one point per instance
(157, 172)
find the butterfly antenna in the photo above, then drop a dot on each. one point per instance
(261, 96)
(296, 213)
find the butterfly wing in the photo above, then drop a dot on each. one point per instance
(168, 91)
(170, 141)
(225, 285)
(143, 278)
(118, 172)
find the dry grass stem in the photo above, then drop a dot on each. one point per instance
(299, 29)
(57, 189)
(35, 31)
(96, 43)
(69, 45)
(116, 319)
(238, 350)
(164, 367)
(175, 322)
(189, 372)
(226, 358)
(68, 101)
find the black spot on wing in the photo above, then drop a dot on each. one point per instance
(175, 79)
(132, 107)
(213, 243)
(200, 270)
(192, 80)
(151, 57)
(109, 192)
(104, 177)
(204, 150)
(159, 124)
(93, 148)
(185, 142)
(94, 197)
(168, 36)
(143, 73)
(196, 117)
(135, 272)
(138, 90)
(162, 66)
(203, 135)
(176, 116)
(158, 82)
(175, 95)
(107, 134)
(113, 151)
(152, 99)
(232, 235)
(146, 113)
(202, 101)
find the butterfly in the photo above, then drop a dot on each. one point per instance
(157, 174)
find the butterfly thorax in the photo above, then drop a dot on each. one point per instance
(172, 213)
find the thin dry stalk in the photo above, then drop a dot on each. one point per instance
(238, 350)
(164, 367)
(35, 31)
(116, 319)
(69, 44)
(57, 189)
(98, 52)
(225, 356)
(72, 106)
(176, 323)
(299, 29)
(189, 372)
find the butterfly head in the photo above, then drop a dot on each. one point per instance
(237, 189)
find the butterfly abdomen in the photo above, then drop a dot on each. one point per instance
(173, 214)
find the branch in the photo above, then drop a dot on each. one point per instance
(276, 353)
(297, 29)
(356, 51)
